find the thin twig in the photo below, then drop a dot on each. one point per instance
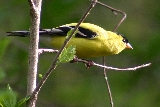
(96, 64)
(113, 9)
(106, 79)
(54, 65)
(123, 69)
(104, 70)
(112, 68)
(40, 51)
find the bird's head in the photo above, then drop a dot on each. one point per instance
(125, 40)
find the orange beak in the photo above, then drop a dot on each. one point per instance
(128, 46)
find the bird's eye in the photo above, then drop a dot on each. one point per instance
(125, 40)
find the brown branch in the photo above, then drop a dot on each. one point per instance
(106, 80)
(104, 70)
(123, 69)
(91, 63)
(119, 11)
(54, 65)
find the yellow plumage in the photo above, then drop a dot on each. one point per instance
(103, 43)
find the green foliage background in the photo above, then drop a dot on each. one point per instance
(72, 85)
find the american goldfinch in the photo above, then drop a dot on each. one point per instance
(90, 40)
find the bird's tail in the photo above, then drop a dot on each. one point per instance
(41, 32)
(18, 33)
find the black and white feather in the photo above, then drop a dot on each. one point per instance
(63, 30)
(59, 31)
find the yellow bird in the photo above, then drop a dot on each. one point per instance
(90, 40)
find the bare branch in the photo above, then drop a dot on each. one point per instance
(35, 7)
(123, 69)
(108, 67)
(115, 10)
(40, 51)
(91, 63)
(31, 3)
(104, 70)
(106, 79)
(54, 65)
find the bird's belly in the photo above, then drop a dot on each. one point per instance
(85, 48)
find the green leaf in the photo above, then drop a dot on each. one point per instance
(1, 105)
(22, 101)
(67, 54)
(9, 100)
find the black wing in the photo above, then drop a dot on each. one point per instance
(63, 30)
(59, 31)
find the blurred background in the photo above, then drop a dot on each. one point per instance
(71, 84)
